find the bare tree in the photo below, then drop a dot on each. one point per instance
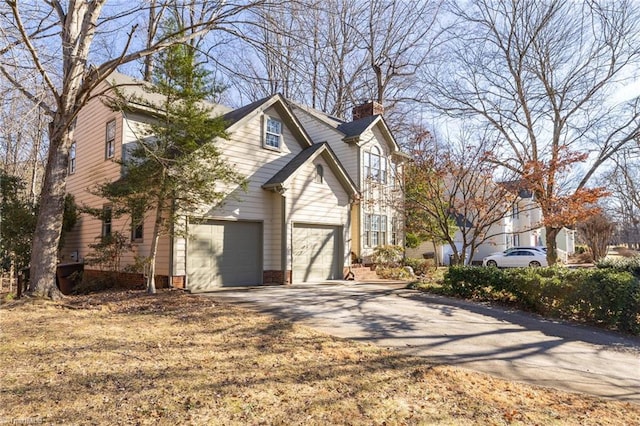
(22, 136)
(623, 204)
(451, 196)
(539, 75)
(332, 54)
(54, 41)
(597, 232)
(397, 37)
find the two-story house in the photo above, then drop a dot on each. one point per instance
(298, 221)
(372, 158)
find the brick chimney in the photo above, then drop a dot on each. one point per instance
(366, 109)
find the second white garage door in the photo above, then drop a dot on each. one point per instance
(316, 253)
(224, 253)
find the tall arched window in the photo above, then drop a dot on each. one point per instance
(375, 165)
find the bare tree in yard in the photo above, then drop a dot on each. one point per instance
(596, 233)
(624, 203)
(307, 52)
(451, 196)
(332, 54)
(398, 37)
(22, 136)
(538, 75)
(54, 41)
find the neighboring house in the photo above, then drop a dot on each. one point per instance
(372, 158)
(300, 219)
(520, 226)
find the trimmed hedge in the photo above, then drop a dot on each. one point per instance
(608, 297)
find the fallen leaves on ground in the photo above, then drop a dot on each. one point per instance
(173, 358)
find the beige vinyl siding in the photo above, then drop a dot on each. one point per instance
(245, 152)
(91, 168)
(319, 131)
(309, 202)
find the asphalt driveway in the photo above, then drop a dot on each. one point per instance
(508, 344)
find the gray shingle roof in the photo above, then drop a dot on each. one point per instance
(238, 114)
(293, 165)
(517, 187)
(355, 128)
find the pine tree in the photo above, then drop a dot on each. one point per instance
(175, 165)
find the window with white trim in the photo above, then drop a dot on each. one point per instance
(137, 225)
(107, 214)
(394, 230)
(375, 165)
(110, 140)
(72, 158)
(273, 133)
(375, 230)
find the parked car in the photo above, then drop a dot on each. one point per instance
(537, 248)
(517, 258)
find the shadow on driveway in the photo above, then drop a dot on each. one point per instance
(506, 343)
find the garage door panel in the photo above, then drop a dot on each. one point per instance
(315, 253)
(222, 254)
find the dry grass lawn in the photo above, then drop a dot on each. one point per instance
(176, 359)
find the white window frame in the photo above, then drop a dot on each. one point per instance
(367, 230)
(394, 230)
(137, 227)
(107, 219)
(271, 134)
(110, 140)
(72, 158)
(375, 165)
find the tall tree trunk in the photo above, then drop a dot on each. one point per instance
(552, 244)
(42, 282)
(151, 280)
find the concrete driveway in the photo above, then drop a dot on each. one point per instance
(507, 344)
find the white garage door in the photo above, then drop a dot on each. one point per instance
(223, 253)
(316, 253)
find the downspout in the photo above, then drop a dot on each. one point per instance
(283, 236)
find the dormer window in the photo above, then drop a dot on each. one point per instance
(319, 173)
(273, 133)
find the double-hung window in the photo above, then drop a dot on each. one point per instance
(110, 140)
(375, 230)
(72, 158)
(394, 230)
(273, 133)
(107, 214)
(137, 225)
